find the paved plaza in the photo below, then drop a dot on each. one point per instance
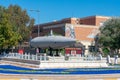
(61, 77)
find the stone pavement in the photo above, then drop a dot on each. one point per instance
(61, 77)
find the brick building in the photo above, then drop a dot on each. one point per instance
(82, 29)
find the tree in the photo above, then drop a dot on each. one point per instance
(21, 21)
(109, 36)
(15, 26)
(8, 37)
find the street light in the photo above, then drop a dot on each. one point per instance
(38, 19)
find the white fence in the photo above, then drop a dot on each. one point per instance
(24, 56)
(43, 57)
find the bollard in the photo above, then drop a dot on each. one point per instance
(28, 56)
(32, 57)
(108, 59)
(53, 57)
(100, 56)
(45, 57)
(40, 57)
(21, 56)
(116, 59)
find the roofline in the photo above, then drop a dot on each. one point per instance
(82, 25)
(57, 21)
(96, 16)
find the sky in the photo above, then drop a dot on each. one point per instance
(51, 10)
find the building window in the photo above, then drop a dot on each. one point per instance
(41, 29)
(35, 31)
(91, 48)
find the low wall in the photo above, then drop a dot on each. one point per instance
(54, 64)
(69, 64)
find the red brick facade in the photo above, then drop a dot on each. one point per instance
(59, 27)
(93, 20)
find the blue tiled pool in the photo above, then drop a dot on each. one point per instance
(10, 69)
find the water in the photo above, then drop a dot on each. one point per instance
(10, 69)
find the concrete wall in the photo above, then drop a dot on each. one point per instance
(69, 64)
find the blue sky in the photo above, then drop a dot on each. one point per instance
(58, 9)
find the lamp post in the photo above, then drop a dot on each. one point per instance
(38, 19)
